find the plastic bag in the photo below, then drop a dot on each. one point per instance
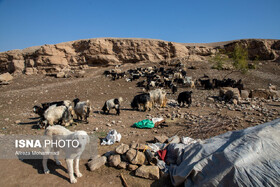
(112, 137)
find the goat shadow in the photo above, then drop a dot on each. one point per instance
(33, 123)
(110, 113)
(37, 164)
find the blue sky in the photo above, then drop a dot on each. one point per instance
(26, 23)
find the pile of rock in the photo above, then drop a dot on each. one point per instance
(137, 157)
(133, 158)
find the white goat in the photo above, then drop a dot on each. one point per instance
(158, 96)
(82, 109)
(112, 103)
(58, 114)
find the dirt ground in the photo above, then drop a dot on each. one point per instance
(204, 119)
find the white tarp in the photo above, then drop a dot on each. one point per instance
(249, 157)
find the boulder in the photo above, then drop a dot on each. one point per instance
(16, 66)
(244, 94)
(122, 165)
(121, 149)
(160, 139)
(136, 157)
(263, 93)
(139, 146)
(132, 167)
(234, 101)
(60, 74)
(114, 160)
(148, 172)
(80, 74)
(96, 162)
(6, 77)
(229, 93)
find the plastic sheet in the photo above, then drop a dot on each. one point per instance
(248, 157)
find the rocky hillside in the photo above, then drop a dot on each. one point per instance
(82, 54)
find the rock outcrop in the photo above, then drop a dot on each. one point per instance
(258, 49)
(81, 54)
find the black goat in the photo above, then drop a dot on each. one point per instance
(185, 97)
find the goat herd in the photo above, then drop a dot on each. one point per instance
(155, 81)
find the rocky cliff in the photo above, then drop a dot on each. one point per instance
(111, 51)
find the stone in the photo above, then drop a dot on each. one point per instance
(168, 115)
(229, 93)
(60, 74)
(174, 139)
(136, 157)
(139, 146)
(96, 162)
(29, 71)
(132, 167)
(114, 160)
(6, 77)
(160, 139)
(17, 66)
(244, 94)
(80, 74)
(122, 165)
(122, 149)
(262, 93)
(234, 101)
(210, 99)
(148, 172)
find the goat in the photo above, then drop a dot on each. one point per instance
(112, 104)
(41, 110)
(58, 114)
(174, 89)
(185, 97)
(158, 96)
(82, 109)
(142, 100)
(206, 84)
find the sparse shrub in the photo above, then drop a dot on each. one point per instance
(238, 60)
(219, 60)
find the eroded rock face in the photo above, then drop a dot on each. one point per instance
(257, 48)
(51, 59)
